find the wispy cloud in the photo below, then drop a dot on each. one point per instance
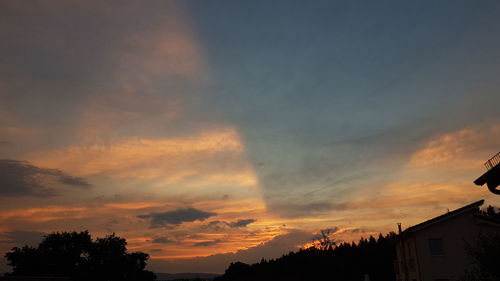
(171, 160)
(456, 146)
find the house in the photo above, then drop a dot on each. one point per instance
(435, 250)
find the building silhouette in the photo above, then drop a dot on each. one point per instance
(492, 176)
(435, 250)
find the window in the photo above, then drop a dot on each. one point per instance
(436, 247)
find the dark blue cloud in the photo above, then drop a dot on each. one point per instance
(19, 178)
(220, 225)
(176, 217)
(207, 243)
(241, 223)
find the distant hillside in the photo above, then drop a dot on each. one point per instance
(185, 276)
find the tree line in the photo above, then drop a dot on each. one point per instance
(325, 261)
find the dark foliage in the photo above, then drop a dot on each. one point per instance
(491, 213)
(345, 261)
(485, 253)
(79, 257)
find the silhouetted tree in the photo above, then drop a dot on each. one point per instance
(491, 213)
(485, 254)
(77, 256)
(325, 242)
(238, 269)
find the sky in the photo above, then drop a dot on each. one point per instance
(206, 132)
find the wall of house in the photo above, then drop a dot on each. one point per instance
(454, 233)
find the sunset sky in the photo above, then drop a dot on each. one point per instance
(206, 132)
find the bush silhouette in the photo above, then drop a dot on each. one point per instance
(77, 256)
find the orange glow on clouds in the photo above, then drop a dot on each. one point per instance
(173, 160)
(456, 146)
(45, 214)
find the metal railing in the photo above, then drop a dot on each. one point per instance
(495, 160)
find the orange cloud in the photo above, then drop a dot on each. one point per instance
(45, 214)
(458, 146)
(134, 205)
(205, 244)
(215, 157)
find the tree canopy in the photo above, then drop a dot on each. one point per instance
(78, 256)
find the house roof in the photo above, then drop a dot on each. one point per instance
(441, 218)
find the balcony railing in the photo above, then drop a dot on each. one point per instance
(495, 160)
